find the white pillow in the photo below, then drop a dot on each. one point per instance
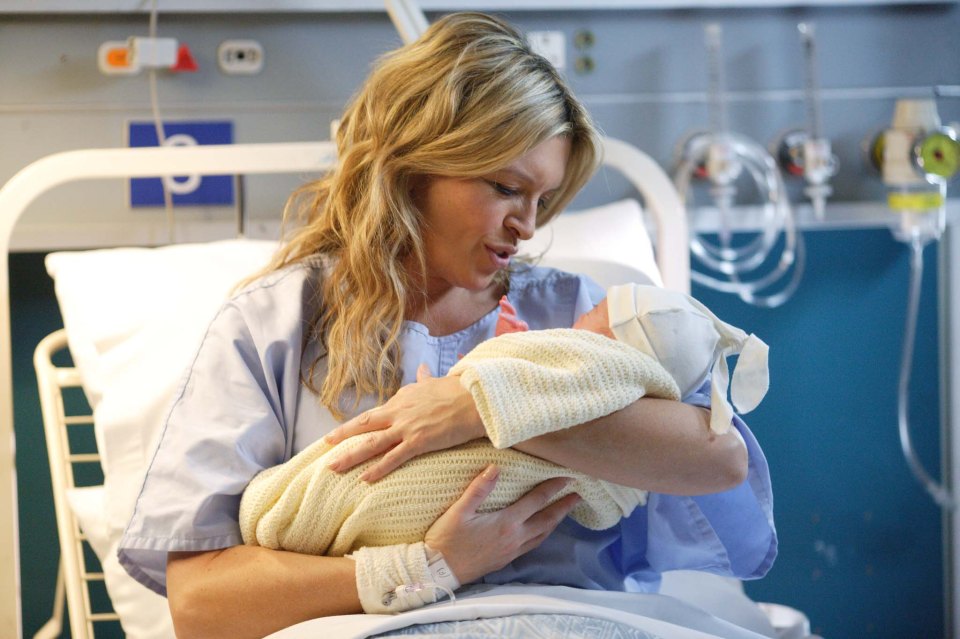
(89, 507)
(134, 317)
(609, 243)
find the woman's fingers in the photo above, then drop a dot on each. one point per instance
(390, 461)
(537, 499)
(423, 372)
(478, 490)
(370, 445)
(368, 420)
(546, 519)
(476, 544)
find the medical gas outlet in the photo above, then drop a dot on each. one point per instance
(917, 157)
(130, 56)
(807, 153)
(801, 154)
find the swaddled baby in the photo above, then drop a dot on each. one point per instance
(640, 341)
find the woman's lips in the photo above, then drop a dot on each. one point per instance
(500, 256)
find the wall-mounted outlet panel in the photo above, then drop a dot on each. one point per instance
(550, 44)
(240, 57)
(188, 190)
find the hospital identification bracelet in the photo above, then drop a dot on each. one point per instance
(444, 581)
(440, 571)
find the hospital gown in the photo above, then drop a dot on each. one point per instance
(241, 408)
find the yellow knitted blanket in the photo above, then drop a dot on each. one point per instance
(302, 506)
(537, 382)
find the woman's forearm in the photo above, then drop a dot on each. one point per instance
(654, 444)
(250, 591)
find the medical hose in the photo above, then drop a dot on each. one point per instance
(739, 265)
(937, 491)
(158, 126)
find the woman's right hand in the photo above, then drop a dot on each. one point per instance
(476, 544)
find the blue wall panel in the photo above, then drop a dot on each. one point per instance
(860, 547)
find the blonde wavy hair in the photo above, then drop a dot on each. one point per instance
(464, 100)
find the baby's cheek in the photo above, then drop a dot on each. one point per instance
(592, 321)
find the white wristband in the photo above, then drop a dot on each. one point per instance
(392, 579)
(442, 576)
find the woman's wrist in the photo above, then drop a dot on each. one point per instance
(392, 579)
(440, 571)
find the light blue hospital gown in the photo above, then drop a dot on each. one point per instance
(241, 408)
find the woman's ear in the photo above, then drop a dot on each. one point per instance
(416, 187)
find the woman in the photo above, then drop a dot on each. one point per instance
(457, 147)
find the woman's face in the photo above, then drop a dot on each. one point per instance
(471, 226)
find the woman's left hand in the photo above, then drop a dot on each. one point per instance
(434, 414)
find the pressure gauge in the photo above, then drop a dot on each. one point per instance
(937, 154)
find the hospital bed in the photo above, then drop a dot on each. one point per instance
(135, 313)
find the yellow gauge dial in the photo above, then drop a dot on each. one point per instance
(938, 154)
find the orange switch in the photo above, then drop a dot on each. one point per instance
(115, 58)
(118, 57)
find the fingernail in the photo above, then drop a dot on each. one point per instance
(491, 473)
(334, 465)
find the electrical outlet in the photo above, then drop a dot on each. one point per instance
(550, 44)
(240, 57)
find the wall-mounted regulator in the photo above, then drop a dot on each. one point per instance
(916, 157)
(807, 152)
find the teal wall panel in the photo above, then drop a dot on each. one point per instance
(860, 542)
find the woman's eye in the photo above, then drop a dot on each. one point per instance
(503, 189)
(543, 203)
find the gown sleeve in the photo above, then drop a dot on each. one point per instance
(730, 533)
(227, 423)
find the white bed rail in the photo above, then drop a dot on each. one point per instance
(22, 189)
(74, 576)
(660, 198)
(46, 173)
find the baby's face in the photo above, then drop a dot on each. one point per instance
(596, 320)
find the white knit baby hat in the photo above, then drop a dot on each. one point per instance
(690, 341)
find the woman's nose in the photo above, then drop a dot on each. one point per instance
(524, 222)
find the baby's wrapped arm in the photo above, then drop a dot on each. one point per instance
(532, 383)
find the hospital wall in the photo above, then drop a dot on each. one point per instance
(860, 543)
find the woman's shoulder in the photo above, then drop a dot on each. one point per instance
(273, 305)
(281, 286)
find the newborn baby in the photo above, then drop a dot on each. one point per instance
(640, 341)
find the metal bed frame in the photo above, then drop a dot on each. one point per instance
(660, 199)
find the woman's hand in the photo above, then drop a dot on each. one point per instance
(434, 414)
(475, 544)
